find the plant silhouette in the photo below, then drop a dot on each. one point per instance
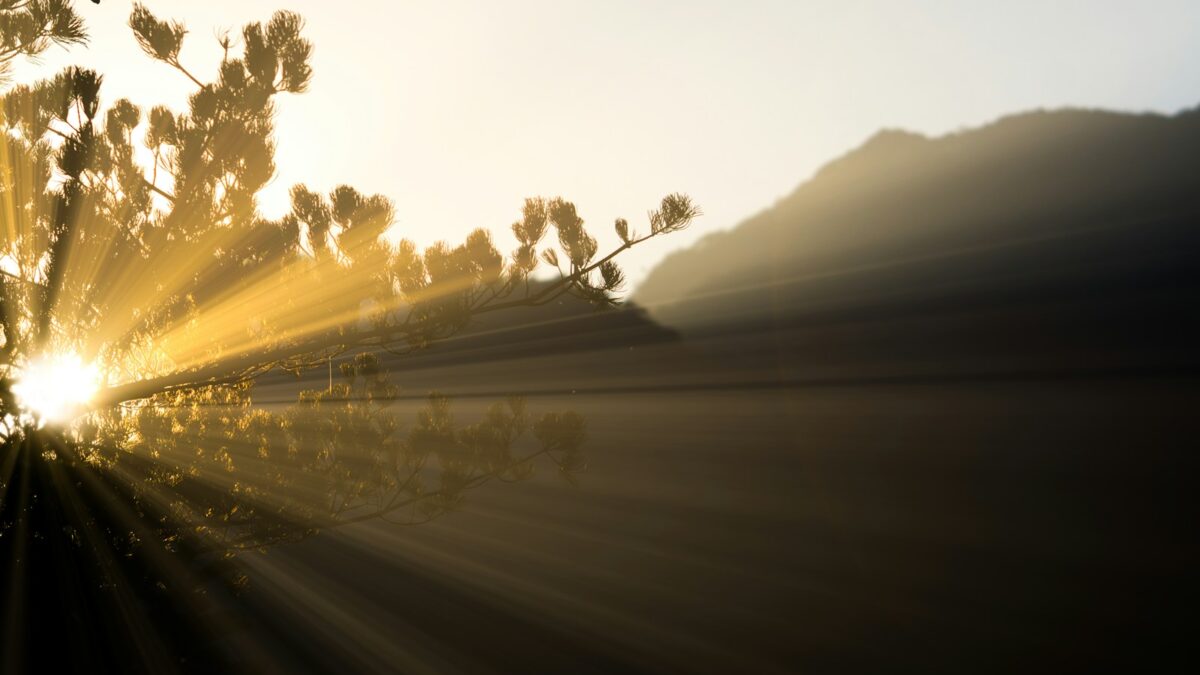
(133, 243)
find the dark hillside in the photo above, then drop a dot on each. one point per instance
(1050, 240)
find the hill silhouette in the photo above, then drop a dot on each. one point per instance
(565, 325)
(568, 337)
(1076, 226)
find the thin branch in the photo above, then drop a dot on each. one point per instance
(175, 62)
(159, 190)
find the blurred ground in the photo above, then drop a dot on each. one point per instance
(878, 520)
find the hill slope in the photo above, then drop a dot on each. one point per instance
(902, 195)
(1048, 233)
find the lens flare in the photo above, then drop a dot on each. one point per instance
(56, 387)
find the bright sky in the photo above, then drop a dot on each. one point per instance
(458, 110)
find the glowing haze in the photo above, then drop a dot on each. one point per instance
(56, 386)
(459, 110)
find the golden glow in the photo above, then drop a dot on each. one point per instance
(56, 387)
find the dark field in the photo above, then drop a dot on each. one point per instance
(922, 522)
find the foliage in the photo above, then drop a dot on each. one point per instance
(30, 27)
(132, 237)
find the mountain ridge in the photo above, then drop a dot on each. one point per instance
(895, 169)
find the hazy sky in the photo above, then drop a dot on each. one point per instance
(458, 110)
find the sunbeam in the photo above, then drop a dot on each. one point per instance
(145, 297)
(55, 387)
(293, 380)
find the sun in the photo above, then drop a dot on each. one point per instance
(56, 387)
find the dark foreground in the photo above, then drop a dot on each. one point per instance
(879, 524)
(863, 524)
(950, 488)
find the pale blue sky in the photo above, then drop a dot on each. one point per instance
(458, 110)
